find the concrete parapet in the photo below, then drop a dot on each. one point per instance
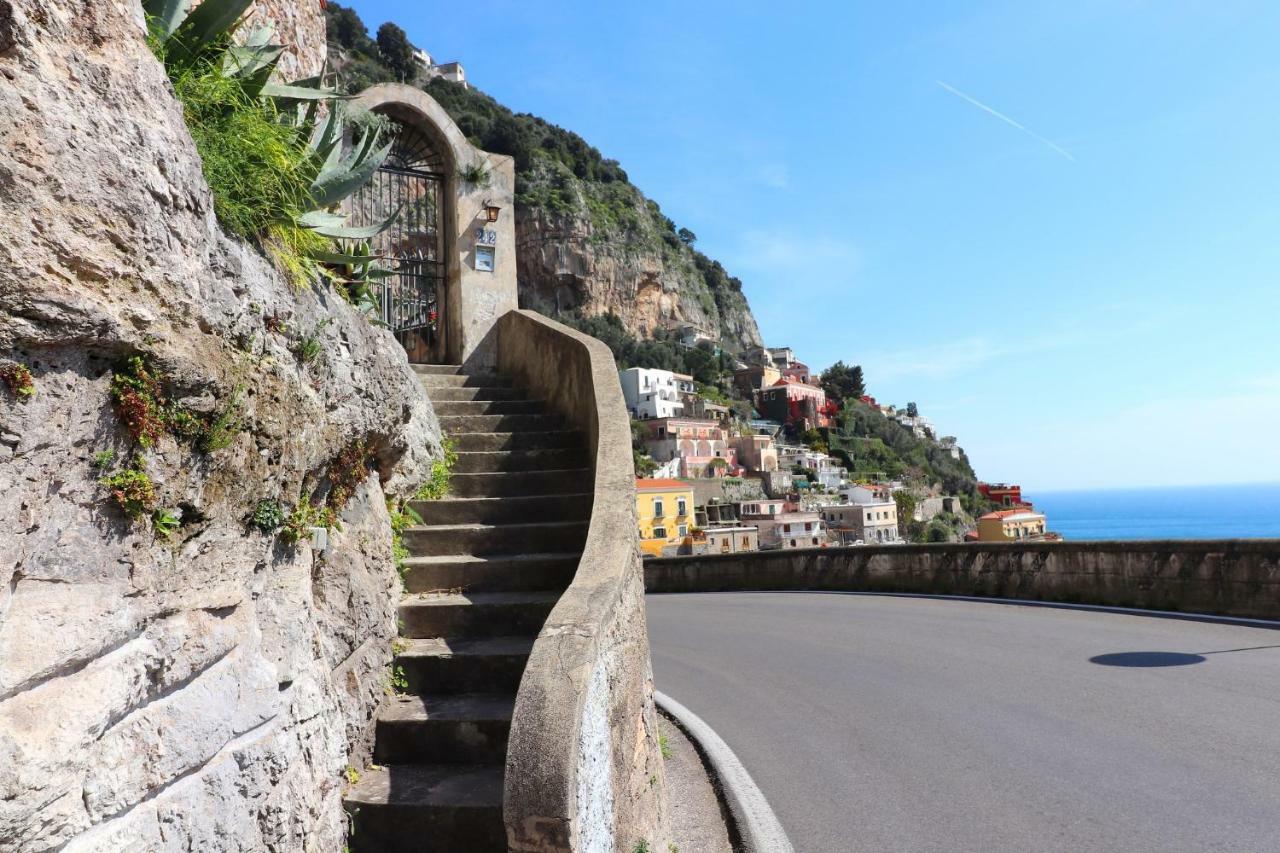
(584, 768)
(1228, 578)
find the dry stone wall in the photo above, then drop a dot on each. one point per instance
(207, 691)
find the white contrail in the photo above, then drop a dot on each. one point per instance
(1004, 118)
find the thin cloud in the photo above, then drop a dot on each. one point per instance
(1004, 118)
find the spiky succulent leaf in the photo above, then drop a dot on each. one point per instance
(210, 23)
(332, 188)
(165, 16)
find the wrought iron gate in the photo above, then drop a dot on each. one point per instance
(411, 180)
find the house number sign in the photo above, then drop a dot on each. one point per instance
(486, 241)
(486, 237)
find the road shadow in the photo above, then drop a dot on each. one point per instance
(1156, 659)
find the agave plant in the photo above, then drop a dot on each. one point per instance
(188, 40)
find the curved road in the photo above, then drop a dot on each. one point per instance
(877, 723)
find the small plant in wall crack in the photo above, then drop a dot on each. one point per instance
(268, 515)
(664, 746)
(397, 681)
(353, 775)
(308, 347)
(17, 377)
(132, 490)
(103, 459)
(475, 176)
(164, 522)
(306, 515)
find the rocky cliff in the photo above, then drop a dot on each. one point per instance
(184, 680)
(608, 250)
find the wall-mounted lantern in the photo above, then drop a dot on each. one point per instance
(491, 211)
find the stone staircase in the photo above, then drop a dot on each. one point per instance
(486, 567)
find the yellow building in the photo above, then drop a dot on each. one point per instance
(1010, 525)
(665, 510)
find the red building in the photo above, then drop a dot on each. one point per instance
(793, 402)
(1004, 494)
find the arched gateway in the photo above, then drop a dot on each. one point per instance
(452, 246)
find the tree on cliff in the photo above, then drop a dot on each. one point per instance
(843, 382)
(396, 51)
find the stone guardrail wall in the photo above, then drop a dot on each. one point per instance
(1228, 578)
(584, 768)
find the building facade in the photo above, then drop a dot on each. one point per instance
(698, 444)
(651, 393)
(870, 523)
(732, 540)
(664, 509)
(1011, 525)
(793, 402)
(1005, 494)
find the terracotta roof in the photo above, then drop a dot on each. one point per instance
(1009, 513)
(660, 485)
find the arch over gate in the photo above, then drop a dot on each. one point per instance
(455, 270)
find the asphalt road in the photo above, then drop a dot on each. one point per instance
(878, 723)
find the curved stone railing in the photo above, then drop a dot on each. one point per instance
(1239, 578)
(584, 768)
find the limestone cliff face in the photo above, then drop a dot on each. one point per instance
(203, 692)
(604, 249)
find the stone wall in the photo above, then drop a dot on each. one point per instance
(584, 767)
(203, 692)
(1230, 578)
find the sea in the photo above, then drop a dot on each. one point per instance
(1184, 512)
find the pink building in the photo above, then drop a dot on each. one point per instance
(696, 443)
(791, 401)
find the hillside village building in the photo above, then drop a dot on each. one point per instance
(749, 380)
(696, 443)
(651, 393)
(732, 540)
(1004, 494)
(757, 452)
(1011, 525)
(793, 402)
(864, 493)
(870, 523)
(665, 512)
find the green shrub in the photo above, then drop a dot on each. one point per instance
(297, 527)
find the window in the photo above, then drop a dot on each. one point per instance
(746, 541)
(659, 533)
(793, 543)
(684, 530)
(658, 509)
(682, 508)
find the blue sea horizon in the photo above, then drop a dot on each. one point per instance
(1248, 511)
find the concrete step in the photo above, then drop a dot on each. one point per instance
(487, 462)
(467, 728)
(450, 393)
(488, 407)
(509, 510)
(437, 369)
(473, 615)
(458, 424)
(432, 381)
(438, 808)
(432, 540)
(438, 666)
(491, 574)
(513, 483)
(481, 442)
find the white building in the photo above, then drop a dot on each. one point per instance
(800, 530)
(651, 393)
(830, 474)
(871, 523)
(864, 493)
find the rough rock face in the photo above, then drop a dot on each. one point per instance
(298, 24)
(204, 692)
(565, 264)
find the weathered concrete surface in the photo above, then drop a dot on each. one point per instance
(879, 723)
(1230, 578)
(205, 692)
(584, 769)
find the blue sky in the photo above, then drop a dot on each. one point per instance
(1088, 301)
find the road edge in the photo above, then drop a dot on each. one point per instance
(1177, 615)
(756, 824)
